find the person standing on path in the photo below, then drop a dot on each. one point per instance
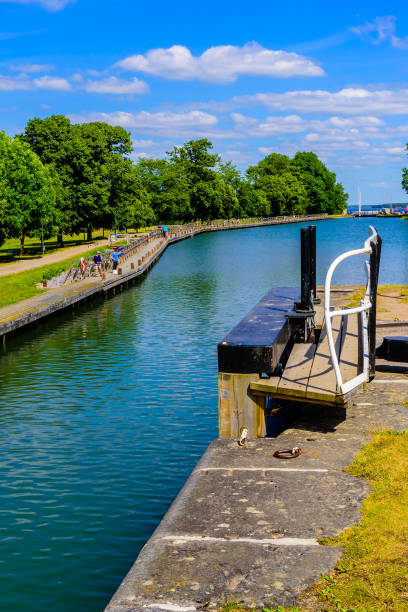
(98, 262)
(115, 260)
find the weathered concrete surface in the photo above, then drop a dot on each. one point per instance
(246, 524)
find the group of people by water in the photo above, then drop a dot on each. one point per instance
(97, 268)
(98, 262)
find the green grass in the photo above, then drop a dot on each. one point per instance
(17, 287)
(232, 605)
(383, 290)
(9, 251)
(372, 575)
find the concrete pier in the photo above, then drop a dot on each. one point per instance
(246, 525)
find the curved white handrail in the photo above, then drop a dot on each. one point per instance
(329, 314)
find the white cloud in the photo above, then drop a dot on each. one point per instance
(55, 83)
(113, 85)
(50, 5)
(150, 148)
(380, 30)
(289, 124)
(380, 184)
(334, 137)
(222, 64)
(334, 127)
(13, 84)
(399, 150)
(162, 123)
(350, 101)
(27, 68)
(20, 83)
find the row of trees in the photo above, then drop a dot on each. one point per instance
(62, 178)
(404, 181)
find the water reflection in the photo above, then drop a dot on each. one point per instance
(105, 412)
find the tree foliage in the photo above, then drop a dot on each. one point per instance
(404, 181)
(64, 177)
(27, 192)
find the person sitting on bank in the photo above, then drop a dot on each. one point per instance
(98, 262)
(115, 260)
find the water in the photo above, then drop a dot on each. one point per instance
(105, 412)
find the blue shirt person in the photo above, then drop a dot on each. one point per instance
(115, 261)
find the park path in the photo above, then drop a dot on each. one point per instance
(49, 299)
(30, 264)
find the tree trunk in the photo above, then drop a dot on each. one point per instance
(22, 238)
(89, 233)
(60, 240)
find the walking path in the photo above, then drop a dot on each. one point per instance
(30, 264)
(52, 300)
(25, 312)
(246, 525)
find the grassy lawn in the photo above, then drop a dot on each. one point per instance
(372, 576)
(17, 287)
(9, 251)
(383, 291)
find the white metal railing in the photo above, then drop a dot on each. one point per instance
(365, 305)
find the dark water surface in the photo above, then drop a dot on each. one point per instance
(105, 412)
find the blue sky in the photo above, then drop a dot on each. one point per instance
(253, 77)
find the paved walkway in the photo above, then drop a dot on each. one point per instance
(49, 298)
(30, 264)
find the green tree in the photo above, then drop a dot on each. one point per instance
(167, 187)
(51, 140)
(253, 202)
(323, 193)
(129, 202)
(27, 192)
(230, 175)
(273, 164)
(196, 164)
(94, 150)
(280, 184)
(83, 156)
(404, 181)
(285, 193)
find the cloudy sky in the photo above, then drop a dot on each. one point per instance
(254, 77)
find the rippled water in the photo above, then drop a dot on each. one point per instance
(105, 411)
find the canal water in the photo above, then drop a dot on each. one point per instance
(105, 412)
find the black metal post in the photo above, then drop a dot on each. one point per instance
(305, 267)
(312, 231)
(372, 316)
